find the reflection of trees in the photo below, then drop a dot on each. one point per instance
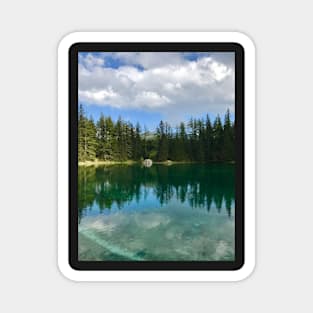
(198, 185)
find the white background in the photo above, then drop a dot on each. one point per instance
(29, 278)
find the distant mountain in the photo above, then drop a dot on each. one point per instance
(149, 135)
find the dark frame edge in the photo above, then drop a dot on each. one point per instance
(73, 160)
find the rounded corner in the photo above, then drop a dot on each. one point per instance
(245, 271)
(67, 271)
(244, 40)
(238, 265)
(68, 41)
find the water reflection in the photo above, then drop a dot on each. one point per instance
(199, 186)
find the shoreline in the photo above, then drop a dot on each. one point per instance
(131, 162)
(103, 162)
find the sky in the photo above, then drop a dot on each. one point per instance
(147, 87)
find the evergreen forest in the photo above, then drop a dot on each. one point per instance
(199, 140)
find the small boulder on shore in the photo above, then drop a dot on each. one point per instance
(147, 162)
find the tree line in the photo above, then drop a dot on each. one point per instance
(198, 140)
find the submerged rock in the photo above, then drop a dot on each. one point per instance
(147, 162)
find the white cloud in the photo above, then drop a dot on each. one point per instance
(168, 83)
(151, 99)
(98, 96)
(90, 61)
(149, 60)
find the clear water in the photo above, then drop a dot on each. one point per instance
(178, 212)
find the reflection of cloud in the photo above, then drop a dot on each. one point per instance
(154, 81)
(151, 220)
(104, 224)
(171, 234)
(222, 249)
(119, 220)
(100, 225)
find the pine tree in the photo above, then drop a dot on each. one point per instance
(182, 143)
(81, 133)
(208, 139)
(201, 141)
(101, 138)
(217, 139)
(163, 142)
(120, 142)
(137, 144)
(91, 142)
(109, 140)
(173, 151)
(128, 129)
(228, 139)
(87, 141)
(192, 137)
(144, 144)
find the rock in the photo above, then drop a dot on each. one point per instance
(147, 162)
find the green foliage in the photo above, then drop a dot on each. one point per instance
(196, 141)
(87, 141)
(105, 138)
(228, 139)
(137, 143)
(217, 147)
(163, 135)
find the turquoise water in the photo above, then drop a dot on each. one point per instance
(162, 213)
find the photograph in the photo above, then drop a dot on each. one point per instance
(156, 156)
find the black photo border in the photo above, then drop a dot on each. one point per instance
(73, 154)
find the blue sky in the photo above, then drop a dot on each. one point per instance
(150, 86)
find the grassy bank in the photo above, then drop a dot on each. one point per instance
(131, 162)
(103, 162)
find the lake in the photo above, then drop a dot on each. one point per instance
(182, 212)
